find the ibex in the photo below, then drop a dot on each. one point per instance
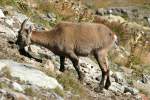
(71, 40)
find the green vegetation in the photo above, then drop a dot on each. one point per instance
(70, 83)
(46, 7)
(29, 91)
(109, 3)
(3, 85)
(47, 72)
(6, 72)
(36, 19)
(30, 12)
(130, 81)
(17, 4)
(144, 91)
(7, 2)
(147, 7)
(68, 80)
(59, 91)
(146, 68)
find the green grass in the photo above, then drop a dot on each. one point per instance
(29, 91)
(108, 3)
(143, 91)
(47, 72)
(71, 83)
(3, 85)
(146, 69)
(36, 19)
(7, 2)
(6, 72)
(59, 91)
(30, 12)
(46, 7)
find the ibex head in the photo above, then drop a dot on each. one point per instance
(24, 35)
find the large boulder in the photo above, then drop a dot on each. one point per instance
(7, 32)
(28, 73)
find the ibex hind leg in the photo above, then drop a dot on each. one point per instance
(101, 57)
(108, 83)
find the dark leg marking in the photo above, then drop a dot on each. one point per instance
(62, 61)
(75, 60)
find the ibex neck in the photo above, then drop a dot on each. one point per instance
(41, 38)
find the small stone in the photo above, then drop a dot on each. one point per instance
(51, 16)
(2, 65)
(33, 49)
(58, 72)
(17, 87)
(83, 65)
(138, 97)
(54, 96)
(84, 71)
(119, 78)
(132, 90)
(49, 65)
(127, 71)
(1, 14)
(100, 11)
(9, 22)
(39, 27)
(145, 79)
(98, 78)
(92, 78)
(20, 17)
(110, 73)
(116, 87)
(19, 96)
(128, 93)
(3, 91)
(141, 97)
(112, 79)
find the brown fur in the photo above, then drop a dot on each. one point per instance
(71, 40)
(74, 36)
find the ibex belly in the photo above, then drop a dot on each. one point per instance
(83, 51)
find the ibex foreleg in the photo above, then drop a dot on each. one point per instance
(62, 61)
(75, 60)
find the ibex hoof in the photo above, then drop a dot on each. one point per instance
(107, 85)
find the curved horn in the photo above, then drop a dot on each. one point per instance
(23, 24)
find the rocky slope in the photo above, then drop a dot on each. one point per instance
(24, 78)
